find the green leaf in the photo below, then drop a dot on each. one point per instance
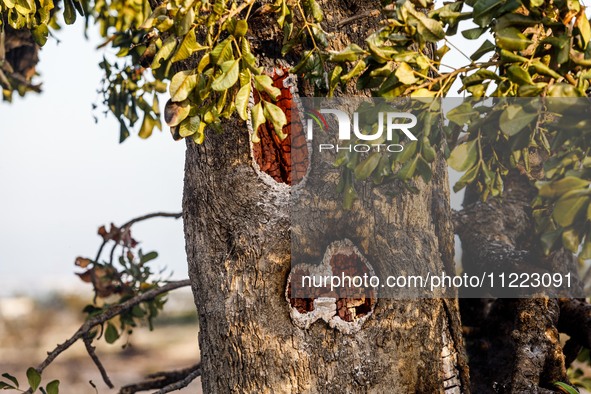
(189, 126)
(430, 29)
(486, 47)
(512, 39)
(264, 83)
(313, 8)
(69, 12)
(148, 257)
(564, 90)
(349, 54)
(182, 84)
(582, 23)
(549, 239)
(408, 169)
(484, 11)
(34, 378)
(5, 386)
(462, 114)
(164, 52)
(185, 23)
(258, 118)
(40, 34)
(277, 117)
(571, 239)
(566, 388)
(569, 206)
(229, 76)
(562, 186)
(479, 77)
(11, 378)
(241, 29)
(53, 387)
(364, 169)
(514, 119)
(473, 34)
(111, 333)
(464, 156)
(543, 69)
(242, 99)
(188, 46)
(466, 179)
(222, 52)
(405, 74)
(518, 75)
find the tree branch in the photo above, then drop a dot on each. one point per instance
(180, 384)
(166, 380)
(575, 320)
(107, 315)
(131, 222)
(91, 352)
(175, 215)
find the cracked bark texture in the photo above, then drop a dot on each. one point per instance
(238, 241)
(513, 344)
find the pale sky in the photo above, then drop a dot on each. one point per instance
(62, 175)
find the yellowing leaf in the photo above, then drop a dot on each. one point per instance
(229, 76)
(182, 84)
(405, 74)
(189, 126)
(562, 186)
(568, 207)
(264, 83)
(463, 156)
(275, 114)
(199, 136)
(164, 52)
(514, 119)
(176, 112)
(188, 46)
(242, 99)
(512, 39)
(258, 118)
(571, 239)
(422, 92)
(222, 52)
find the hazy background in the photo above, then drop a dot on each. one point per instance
(62, 175)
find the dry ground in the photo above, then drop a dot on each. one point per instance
(25, 337)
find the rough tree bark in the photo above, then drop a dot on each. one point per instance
(237, 229)
(513, 344)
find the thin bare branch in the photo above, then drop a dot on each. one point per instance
(180, 384)
(91, 352)
(174, 215)
(165, 380)
(107, 315)
(354, 18)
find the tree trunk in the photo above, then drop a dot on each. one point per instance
(238, 242)
(514, 344)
